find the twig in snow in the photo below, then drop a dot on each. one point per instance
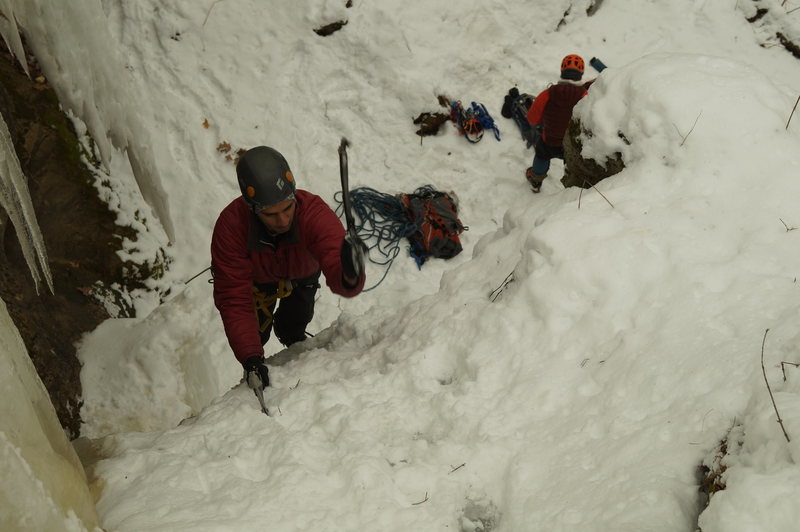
(793, 108)
(703, 423)
(783, 368)
(764, 371)
(499, 290)
(295, 386)
(209, 12)
(420, 502)
(786, 226)
(198, 275)
(457, 467)
(598, 191)
(604, 197)
(579, 198)
(690, 131)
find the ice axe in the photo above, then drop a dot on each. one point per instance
(254, 382)
(348, 213)
(357, 248)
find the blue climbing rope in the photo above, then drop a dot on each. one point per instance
(381, 223)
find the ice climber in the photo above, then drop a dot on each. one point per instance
(551, 112)
(268, 249)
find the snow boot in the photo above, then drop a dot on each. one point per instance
(534, 180)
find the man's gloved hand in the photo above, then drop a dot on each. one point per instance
(353, 251)
(256, 372)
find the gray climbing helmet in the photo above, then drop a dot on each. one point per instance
(264, 178)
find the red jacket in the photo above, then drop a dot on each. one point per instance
(553, 109)
(243, 253)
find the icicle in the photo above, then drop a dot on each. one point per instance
(10, 33)
(15, 199)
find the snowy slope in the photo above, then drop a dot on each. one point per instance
(587, 393)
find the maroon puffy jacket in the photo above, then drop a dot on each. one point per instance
(243, 253)
(553, 109)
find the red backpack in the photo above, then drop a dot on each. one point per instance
(435, 215)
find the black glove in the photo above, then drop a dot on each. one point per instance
(353, 251)
(256, 372)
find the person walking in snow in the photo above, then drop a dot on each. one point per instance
(551, 112)
(271, 244)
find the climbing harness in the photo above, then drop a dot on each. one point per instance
(264, 302)
(472, 121)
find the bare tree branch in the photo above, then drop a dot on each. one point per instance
(209, 13)
(764, 371)
(783, 368)
(598, 191)
(499, 290)
(420, 502)
(457, 467)
(793, 108)
(690, 131)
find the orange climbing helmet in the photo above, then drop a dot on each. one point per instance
(573, 61)
(572, 67)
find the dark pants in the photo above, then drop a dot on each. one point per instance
(294, 313)
(543, 153)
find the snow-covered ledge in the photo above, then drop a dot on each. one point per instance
(44, 486)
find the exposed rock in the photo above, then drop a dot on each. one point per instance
(775, 23)
(581, 172)
(760, 12)
(79, 233)
(791, 46)
(328, 29)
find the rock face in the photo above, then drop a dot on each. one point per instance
(79, 233)
(580, 172)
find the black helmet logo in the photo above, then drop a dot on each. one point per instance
(264, 178)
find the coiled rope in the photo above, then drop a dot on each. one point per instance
(381, 223)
